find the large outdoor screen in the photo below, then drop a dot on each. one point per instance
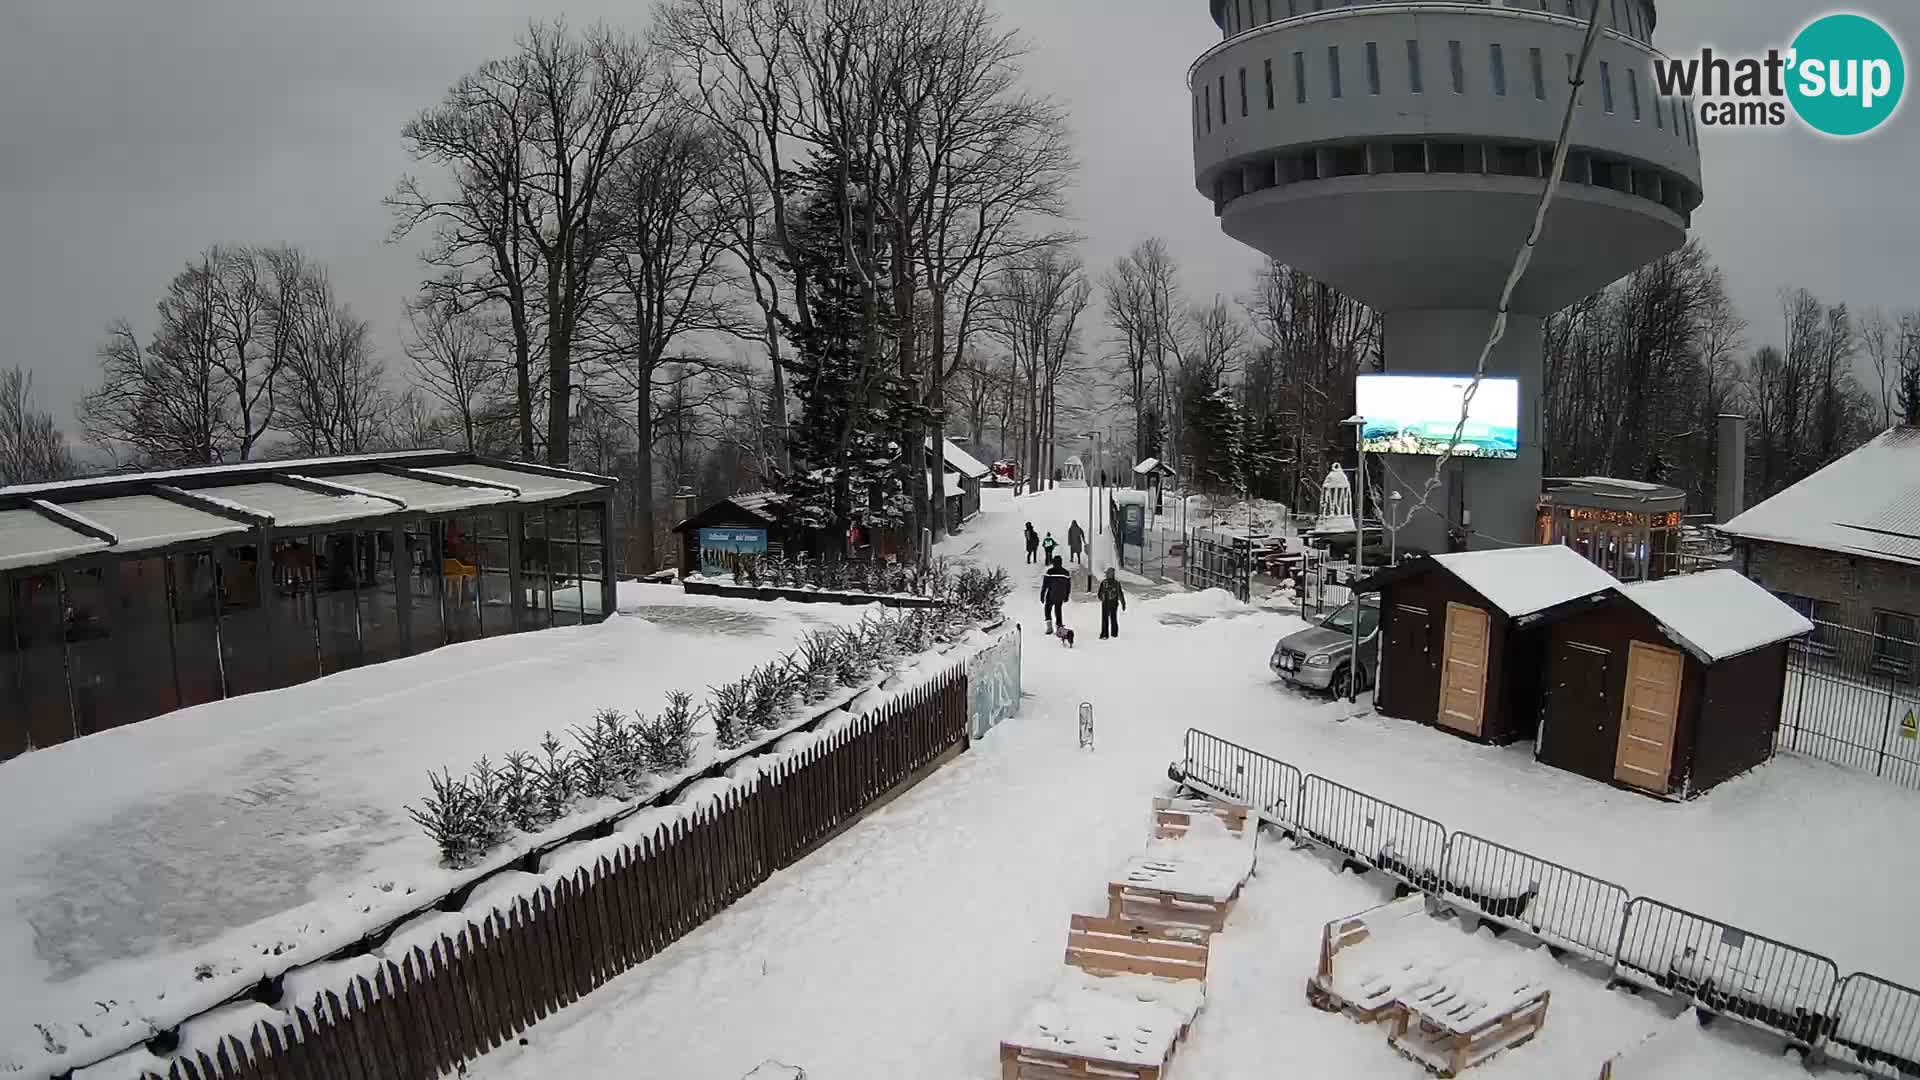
(1417, 414)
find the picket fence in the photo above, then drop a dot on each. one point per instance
(1721, 969)
(423, 1014)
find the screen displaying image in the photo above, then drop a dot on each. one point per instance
(1417, 414)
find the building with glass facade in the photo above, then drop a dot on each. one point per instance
(127, 596)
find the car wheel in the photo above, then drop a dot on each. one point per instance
(1342, 682)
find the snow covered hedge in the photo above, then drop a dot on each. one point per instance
(614, 755)
(934, 581)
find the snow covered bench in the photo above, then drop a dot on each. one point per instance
(1368, 960)
(1173, 817)
(1192, 879)
(1090, 1032)
(1464, 1015)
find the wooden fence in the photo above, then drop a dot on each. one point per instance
(422, 1014)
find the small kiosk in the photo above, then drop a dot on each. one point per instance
(1628, 528)
(1149, 476)
(1462, 637)
(1669, 687)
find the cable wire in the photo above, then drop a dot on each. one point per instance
(1561, 147)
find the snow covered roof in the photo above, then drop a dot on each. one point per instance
(295, 507)
(528, 486)
(1717, 614)
(1867, 503)
(143, 522)
(1524, 580)
(950, 483)
(1151, 465)
(426, 496)
(235, 469)
(30, 538)
(958, 460)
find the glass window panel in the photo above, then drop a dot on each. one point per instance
(246, 631)
(378, 596)
(39, 632)
(536, 580)
(292, 613)
(594, 568)
(423, 562)
(196, 644)
(460, 576)
(563, 540)
(13, 678)
(495, 593)
(333, 597)
(142, 624)
(87, 623)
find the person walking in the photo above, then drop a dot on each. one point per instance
(1113, 600)
(1056, 585)
(1047, 546)
(1076, 539)
(1033, 542)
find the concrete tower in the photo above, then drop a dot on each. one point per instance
(1396, 151)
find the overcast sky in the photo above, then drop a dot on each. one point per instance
(135, 133)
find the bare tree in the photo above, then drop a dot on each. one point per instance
(31, 447)
(332, 397)
(1143, 292)
(1880, 340)
(1035, 311)
(479, 133)
(164, 401)
(455, 359)
(667, 278)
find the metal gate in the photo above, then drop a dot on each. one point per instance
(1217, 561)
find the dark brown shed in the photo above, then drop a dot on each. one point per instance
(1669, 687)
(1461, 635)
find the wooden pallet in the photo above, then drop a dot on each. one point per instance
(1173, 817)
(1144, 904)
(1115, 946)
(1323, 990)
(1020, 1063)
(1421, 1031)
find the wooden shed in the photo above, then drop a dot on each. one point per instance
(1670, 686)
(1462, 640)
(746, 524)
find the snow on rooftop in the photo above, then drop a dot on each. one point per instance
(1718, 614)
(958, 460)
(140, 522)
(1867, 503)
(425, 496)
(30, 538)
(236, 469)
(1524, 580)
(296, 507)
(532, 486)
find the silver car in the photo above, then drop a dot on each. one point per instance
(1321, 656)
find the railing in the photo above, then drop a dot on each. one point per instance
(1558, 905)
(419, 1008)
(1848, 697)
(1720, 968)
(1727, 971)
(1373, 832)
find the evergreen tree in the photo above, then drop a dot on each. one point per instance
(845, 444)
(1908, 395)
(1214, 455)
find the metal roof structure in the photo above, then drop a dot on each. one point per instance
(1866, 504)
(44, 524)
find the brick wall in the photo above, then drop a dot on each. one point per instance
(1857, 587)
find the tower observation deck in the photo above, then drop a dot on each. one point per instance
(1396, 151)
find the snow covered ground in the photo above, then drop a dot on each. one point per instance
(176, 860)
(913, 943)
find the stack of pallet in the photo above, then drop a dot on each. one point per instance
(1136, 977)
(1443, 1007)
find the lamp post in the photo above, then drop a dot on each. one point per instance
(1359, 425)
(1087, 474)
(1393, 531)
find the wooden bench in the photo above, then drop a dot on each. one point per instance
(1192, 878)
(1173, 817)
(1091, 1035)
(1463, 1017)
(1366, 991)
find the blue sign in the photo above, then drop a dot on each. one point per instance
(721, 549)
(993, 683)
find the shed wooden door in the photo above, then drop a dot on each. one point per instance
(1648, 715)
(1575, 734)
(1408, 681)
(1463, 670)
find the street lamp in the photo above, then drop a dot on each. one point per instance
(1087, 474)
(1359, 425)
(1393, 529)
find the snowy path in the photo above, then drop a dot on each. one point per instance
(908, 946)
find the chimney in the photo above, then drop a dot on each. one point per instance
(1730, 491)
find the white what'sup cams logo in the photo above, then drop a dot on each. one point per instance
(1843, 76)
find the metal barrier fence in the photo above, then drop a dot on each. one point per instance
(1722, 969)
(1269, 785)
(1850, 693)
(1217, 561)
(1389, 838)
(1558, 905)
(1876, 1026)
(1726, 970)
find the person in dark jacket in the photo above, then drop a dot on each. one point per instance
(1113, 600)
(1056, 585)
(1033, 542)
(1046, 548)
(1076, 539)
